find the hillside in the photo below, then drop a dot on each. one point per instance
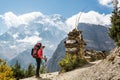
(107, 69)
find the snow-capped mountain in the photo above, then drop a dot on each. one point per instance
(46, 29)
(26, 30)
(96, 37)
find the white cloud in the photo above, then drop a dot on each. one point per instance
(47, 20)
(91, 17)
(108, 3)
(10, 19)
(15, 35)
(0, 16)
(31, 40)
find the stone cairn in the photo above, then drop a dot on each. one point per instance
(75, 44)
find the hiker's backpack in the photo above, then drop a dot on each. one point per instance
(34, 51)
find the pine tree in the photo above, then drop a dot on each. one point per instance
(6, 72)
(31, 70)
(18, 73)
(42, 69)
(114, 31)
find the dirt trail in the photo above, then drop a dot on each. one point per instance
(64, 76)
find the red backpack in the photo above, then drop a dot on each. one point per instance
(34, 50)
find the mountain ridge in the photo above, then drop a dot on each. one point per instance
(23, 36)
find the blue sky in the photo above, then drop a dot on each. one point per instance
(66, 8)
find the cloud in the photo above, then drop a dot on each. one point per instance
(10, 19)
(15, 35)
(91, 17)
(0, 16)
(107, 3)
(54, 21)
(31, 40)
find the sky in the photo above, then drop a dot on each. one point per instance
(66, 8)
(15, 9)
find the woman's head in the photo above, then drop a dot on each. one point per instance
(42, 47)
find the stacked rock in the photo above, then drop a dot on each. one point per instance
(75, 44)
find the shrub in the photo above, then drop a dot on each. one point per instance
(5, 72)
(20, 73)
(30, 71)
(43, 68)
(70, 62)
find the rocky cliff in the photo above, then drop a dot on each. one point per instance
(59, 54)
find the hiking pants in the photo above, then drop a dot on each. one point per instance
(38, 61)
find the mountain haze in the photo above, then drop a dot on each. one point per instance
(22, 37)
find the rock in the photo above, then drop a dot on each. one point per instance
(74, 47)
(108, 69)
(74, 43)
(92, 55)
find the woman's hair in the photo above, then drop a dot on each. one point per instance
(43, 46)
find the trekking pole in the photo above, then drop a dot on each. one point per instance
(45, 63)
